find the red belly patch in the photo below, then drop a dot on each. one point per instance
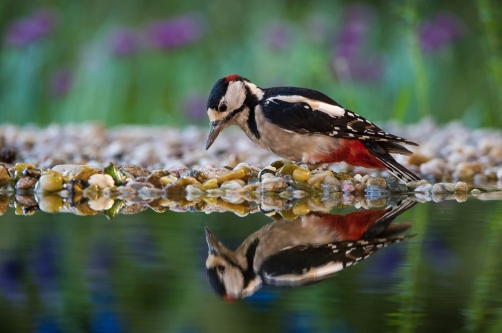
(352, 152)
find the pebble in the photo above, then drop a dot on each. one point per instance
(461, 187)
(4, 175)
(443, 188)
(50, 203)
(426, 188)
(26, 183)
(348, 185)
(380, 182)
(233, 184)
(102, 181)
(50, 182)
(101, 203)
(273, 184)
(301, 174)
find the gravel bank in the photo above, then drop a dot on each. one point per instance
(448, 153)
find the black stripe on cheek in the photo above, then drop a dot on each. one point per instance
(253, 127)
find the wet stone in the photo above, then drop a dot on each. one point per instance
(4, 175)
(380, 182)
(50, 182)
(273, 184)
(102, 181)
(26, 183)
(134, 170)
(461, 187)
(426, 188)
(443, 188)
(301, 174)
(100, 204)
(348, 185)
(269, 170)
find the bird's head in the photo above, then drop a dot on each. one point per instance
(223, 272)
(230, 96)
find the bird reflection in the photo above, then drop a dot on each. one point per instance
(309, 249)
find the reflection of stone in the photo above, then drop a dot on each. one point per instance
(296, 252)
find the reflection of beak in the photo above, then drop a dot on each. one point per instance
(212, 242)
(214, 131)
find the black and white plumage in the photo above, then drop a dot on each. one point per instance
(303, 125)
(300, 252)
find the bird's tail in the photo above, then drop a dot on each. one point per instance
(390, 163)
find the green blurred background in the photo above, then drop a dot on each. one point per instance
(154, 62)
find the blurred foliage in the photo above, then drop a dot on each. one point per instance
(154, 62)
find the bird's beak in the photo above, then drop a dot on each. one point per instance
(214, 131)
(212, 242)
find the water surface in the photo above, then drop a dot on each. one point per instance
(147, 273)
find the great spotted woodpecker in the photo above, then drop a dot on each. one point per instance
(306, 250)
(303, 125)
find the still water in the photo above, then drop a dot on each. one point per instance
(147, 272)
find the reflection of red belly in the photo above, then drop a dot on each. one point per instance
(350, 226)
(352, 152)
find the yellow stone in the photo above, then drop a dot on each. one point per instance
(301, 209)
(210, 184)
(50, 203)
(288, 169)
(301, 174)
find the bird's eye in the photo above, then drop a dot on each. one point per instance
(223, 107)
(220, 269)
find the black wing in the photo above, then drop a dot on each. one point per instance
(306, 111)
(383, 228)
(301, 265)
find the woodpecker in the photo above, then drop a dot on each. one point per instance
(307, 250)
(303, 125)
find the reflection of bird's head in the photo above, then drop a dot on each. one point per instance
(225, 275)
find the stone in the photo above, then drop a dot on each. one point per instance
(101, 180)
(443, 188)
(348, 185)
(435, 167)
(426, 188)
(418, 158)
(101, 204)
(26, 183)
(4, 175)
(50, 182)
(50, 203)
(233, 184)
(301, 174)
(378, 181)
(273, 184)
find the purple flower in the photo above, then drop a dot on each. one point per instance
(357, 19)
(28, 30)
(125, 42)
(441, 30)
(194, 107)
(351, 61)
(60, 82)
(177, 32)
(279, 36)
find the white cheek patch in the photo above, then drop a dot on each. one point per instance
(332, 110)
(236, 95)
(215, 115)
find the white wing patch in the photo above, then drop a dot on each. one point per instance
(332, 110)
(311, 275)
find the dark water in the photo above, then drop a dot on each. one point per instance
(146, 273)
